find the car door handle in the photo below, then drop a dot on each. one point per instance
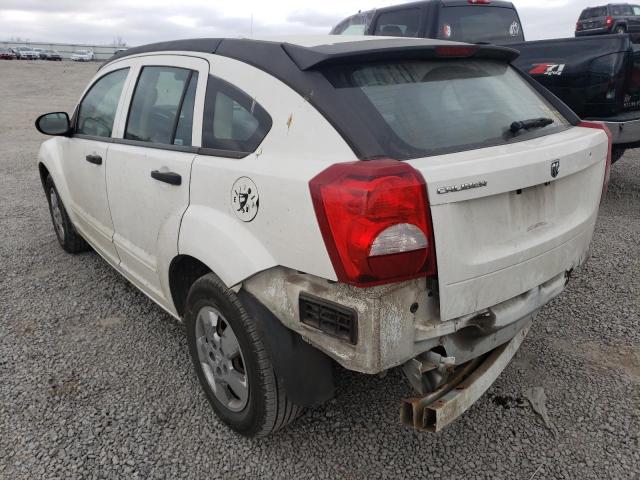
(172, 178)
(95, 159)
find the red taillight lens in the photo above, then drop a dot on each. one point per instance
(578, 26)
(375, 220)
(456, 51)
(602, 126)
(609, 21)
(479, 2)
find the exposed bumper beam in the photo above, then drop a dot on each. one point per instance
(438, 409)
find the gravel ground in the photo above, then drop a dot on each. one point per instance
(96, 382)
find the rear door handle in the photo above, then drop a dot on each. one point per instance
(95, 159)
(172, 178)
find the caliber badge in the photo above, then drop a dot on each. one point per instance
(245, 200)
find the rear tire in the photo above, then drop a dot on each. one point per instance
(68, 238)
(252, 401)
(620, 30)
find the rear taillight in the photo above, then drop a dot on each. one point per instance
(578, 26)
(479, 2)
(602, 126)
(609, 21)
(375, 220)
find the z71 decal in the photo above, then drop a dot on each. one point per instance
(547, 69)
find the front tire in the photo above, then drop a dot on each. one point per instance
(68, 238)
(231, 362)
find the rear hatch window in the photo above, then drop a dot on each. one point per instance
(425, 108)
(480, 23)
(593, 13)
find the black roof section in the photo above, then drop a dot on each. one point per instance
(302, 69)
(306, 58)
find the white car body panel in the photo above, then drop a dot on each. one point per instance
(521, 229)
(284, 232)
(495, 246)
(147, 213)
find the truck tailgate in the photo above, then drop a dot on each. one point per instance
(525, 226)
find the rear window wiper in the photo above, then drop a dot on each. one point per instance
(529, 124)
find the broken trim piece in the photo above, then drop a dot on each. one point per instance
(433, 412)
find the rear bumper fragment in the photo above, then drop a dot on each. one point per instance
(438, 409)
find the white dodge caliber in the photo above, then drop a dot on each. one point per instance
(375, 202)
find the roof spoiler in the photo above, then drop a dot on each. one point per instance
(307, 58)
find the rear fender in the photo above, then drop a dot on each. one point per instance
(223, 244)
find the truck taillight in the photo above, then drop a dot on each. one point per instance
(578, 26)
(479, 2)
(609, 21)
(602, 126)
(375, 220)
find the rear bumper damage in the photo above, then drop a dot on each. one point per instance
(396, 323)
(439, 408)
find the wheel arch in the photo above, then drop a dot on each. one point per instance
(222, 243)
(306, 372)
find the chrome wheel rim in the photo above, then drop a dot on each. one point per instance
(221, 359)
(56, 213)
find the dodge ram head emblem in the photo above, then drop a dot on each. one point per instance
(555, 168)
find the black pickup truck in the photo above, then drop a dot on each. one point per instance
(598, 77)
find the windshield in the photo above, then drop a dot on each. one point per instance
(425, 108)
(474, 24)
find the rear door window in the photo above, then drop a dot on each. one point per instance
(480, 23)
(425, 108)
(158, 110)
(621, 10)
(399, 23)
(97, 111)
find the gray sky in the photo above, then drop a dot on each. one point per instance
(144, 21)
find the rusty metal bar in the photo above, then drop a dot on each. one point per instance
(438, 409)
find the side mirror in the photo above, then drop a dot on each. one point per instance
(53, 123)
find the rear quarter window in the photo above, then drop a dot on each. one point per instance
(425, 108)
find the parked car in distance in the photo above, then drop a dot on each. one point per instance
(458, 20)
(7, 54)
(416, 211)
(50, 55)
(619, 18)
(26, 53)
(82, 55)
(39, 51)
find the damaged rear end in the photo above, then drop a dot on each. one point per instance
(478, 198)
